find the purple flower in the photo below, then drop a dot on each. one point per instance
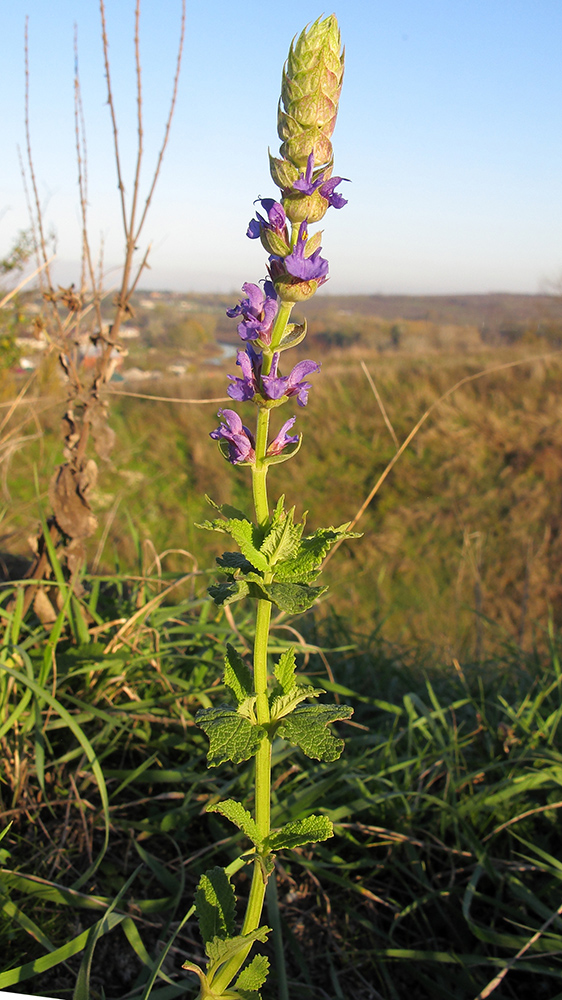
(313, 268)
(283, 439)
(289, 385)
(241, 444)
(245, 388)
(259, 310)
(276, 220)
(306, 185)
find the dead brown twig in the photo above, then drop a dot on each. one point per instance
(72, 318)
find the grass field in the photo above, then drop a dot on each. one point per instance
(462, 543)
(441, 629)
(444, 871)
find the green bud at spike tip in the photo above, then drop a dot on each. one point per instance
(310, 92)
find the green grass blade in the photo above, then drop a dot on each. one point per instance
(89, 751)
(66, 951)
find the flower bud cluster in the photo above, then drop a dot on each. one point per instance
(310, 91)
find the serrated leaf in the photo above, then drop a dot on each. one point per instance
(294, 598)
(228, 592)
(279, 511)
(212, 525)
(221, 950)
(247, 708)
(282, 704)
(267, 865)
(305, 565)
(227, 510)
(237, 677)
(231, 736)
(248, 538)
(300, 832)
(215, 905)
(282, 539)
(254, 975)
(306, 728)
(233, 561)
(284, 670)
(235, 812)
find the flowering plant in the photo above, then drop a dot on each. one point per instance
(277, 562)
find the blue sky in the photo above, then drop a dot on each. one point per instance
(449, 128)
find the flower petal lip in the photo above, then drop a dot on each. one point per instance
(276, 219)
(258, 310)
(241, 444)
(334, 198)
(283, 438)
(290, 385)
(245, 388)
(306, 185)
(299, 265)
(253, 230)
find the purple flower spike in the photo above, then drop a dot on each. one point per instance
(241, 444)
(259, 310)
(313, 268)
(283, 439)
(306, 185)
(245, 388)
(290, 385)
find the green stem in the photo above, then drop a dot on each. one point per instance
(279, 327)
(259, 472)
(254, 909)
(262, 794)
(274, 920)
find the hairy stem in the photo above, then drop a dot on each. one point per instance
(262, 795)
(259, 473)
(256, 899)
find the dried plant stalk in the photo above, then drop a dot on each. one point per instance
(72, 317)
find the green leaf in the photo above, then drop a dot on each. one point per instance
(221, 950)
(233, 561)
(235, 812)
(227, 510)
(266, 863)
(294, 598)
(293, 335)
(284, 670)
(282, 704)
(306, 728)
(254, 975)
(282, 539)
(216, 525)
(312, 550)
(300, 832)
(237, 677)
(215, 905)
(247, 535)
(231, 736)
(228, 592)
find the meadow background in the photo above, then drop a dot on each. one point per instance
(441, 628)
